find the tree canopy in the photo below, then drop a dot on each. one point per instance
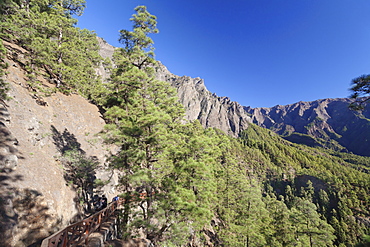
(67, 55)
(360, 91)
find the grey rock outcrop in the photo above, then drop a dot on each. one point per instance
(328, 119)
(211, 110)
(36, 200)
(106, 51)
(325, 122)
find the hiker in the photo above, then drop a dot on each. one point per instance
(96, 202)
(104, 202)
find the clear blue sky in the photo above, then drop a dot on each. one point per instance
(259, 53)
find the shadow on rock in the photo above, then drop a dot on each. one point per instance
(8, 151)
(79, 170)
(65, 141)
(24, 214)
(8, 218)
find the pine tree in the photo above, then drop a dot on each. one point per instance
(324, 203)
(80, 171)
(310, 229)
(308, 192)
(283, 230)
(46, 28)
(3, 85)
(188, 181)
(158, 156)
(243, 211)
(360, 91)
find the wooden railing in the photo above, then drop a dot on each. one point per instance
(77, 233)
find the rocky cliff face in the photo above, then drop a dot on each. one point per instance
(326, 123)
(208, 108)
(36, 200)
(328, 119)
(211, 110)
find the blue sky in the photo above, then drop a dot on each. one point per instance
(259, 53)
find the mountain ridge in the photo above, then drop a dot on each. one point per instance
(329, 121)
(325, 123)
(326, 119)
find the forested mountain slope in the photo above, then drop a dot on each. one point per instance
(207, 188)
(325, 123)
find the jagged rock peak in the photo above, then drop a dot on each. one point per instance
(208, 108)
(106, 50)
(163, 74)
(329, 119)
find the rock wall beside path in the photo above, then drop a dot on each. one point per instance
(35, 198)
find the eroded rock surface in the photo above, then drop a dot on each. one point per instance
(35, 198)
(211, 110)
(328, 119)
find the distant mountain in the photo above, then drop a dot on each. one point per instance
(327, 122)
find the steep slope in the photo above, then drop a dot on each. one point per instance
(211, 110)
(36, 199)
(330, 120)
(326, 123)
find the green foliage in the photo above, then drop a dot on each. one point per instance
(3, 85)
(282, 226)
(246, 215)
(79, 171)
(309, 228)
(137, 44)
(327, 142)
(360, 91)
(342, 177)
(365, 241)
(67, 54)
